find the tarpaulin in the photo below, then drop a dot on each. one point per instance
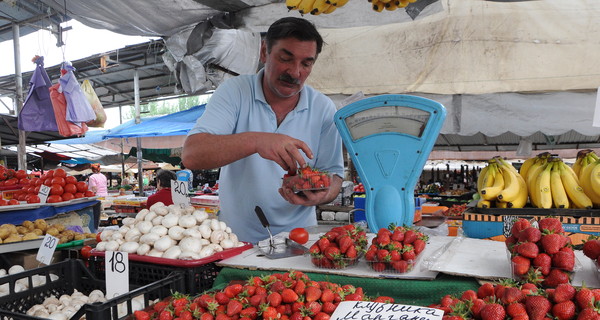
(37, 113)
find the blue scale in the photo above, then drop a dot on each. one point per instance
(389, 138)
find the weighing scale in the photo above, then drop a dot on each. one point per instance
(389, 138)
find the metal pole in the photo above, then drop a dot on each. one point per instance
(22, 149)
(138, 119)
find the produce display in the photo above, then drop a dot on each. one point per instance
(587, 169)
(541, 255)
(31, 230)
(306, 179)
(65, 306)
(170, 232)
(22, 284)
(316, 7)
(500, 185)
(340, 247)
(591, 248)
(395, 249)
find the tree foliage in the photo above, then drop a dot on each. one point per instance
(165, 107)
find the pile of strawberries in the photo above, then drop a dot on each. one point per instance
(395, 249)
(591, 248)
(286, 296)
(509, 300)
(542, 254)
(339, 247)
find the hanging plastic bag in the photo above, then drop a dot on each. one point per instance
(59, 104)
(37, 113)
(94, 101)
(79, 109)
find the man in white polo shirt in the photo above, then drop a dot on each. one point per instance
(258, 127)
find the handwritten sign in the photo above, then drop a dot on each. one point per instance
(43, 193)
(117, 273)
(46, 250)
(365, 310)
(179, 192)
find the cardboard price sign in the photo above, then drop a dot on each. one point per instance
(43, 193)
(46, 250)
(365, 310)
(117, 273)
(179, 192)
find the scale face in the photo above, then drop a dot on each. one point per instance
(389, 138)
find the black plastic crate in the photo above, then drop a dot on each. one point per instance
(197, 279)
(72, 274)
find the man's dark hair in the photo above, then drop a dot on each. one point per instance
(293, 27)
(164, 177)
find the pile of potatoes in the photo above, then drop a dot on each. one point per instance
(31, 230)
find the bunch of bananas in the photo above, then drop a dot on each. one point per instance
(553, 184)
(314, 7)
(587, 169)
(500, 185)
(390, 5)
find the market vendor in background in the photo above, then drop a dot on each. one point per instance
(259, 127)
(97, 181)
(163, 188)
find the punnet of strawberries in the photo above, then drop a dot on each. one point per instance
(543, 254)
(306, 179)
(395, 249)
(291, 295)
(339, 247)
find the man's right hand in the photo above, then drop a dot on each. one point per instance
(283, 149)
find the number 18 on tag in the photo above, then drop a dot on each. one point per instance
(117, 273)
(46, 250)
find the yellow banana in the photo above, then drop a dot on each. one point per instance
(481, 177)
(532, 175)
(595, 178)
(484, 204)
(501, 204)
(579, 159)
(559, 195)
(511, 185)
(319, 7)
(305, 6)
(403, 3)
(385, 1)
(542, 185)
(392, 5)
(339, 3)
(491, 193)
(573, 189)
(521, 199)
(377, 6)
(292, 4)
(526, 165)
(508, 165)
(585, 178)
(593, 155)
(330, 9)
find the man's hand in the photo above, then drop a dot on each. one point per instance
(284, 150)
(315, 197)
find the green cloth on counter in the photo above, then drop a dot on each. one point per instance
(404, 291)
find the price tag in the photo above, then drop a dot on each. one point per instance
(46, 250)
(179, 192)
(117, 273)
(365, 310)
(44, 192)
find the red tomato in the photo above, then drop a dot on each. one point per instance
(48, 182)
(32, 182)
(54, 198)
(69, 187)
(89, 193)
(68, 196)
(11, 182)
(82, 186)
(3, 202)
(56, 189)
(79, 195)
(71, 179)
(86, 252)
(60, 173)
(33, 198)
(59, 180)
(13, 202)
(299, 235)
(20, 174)
(24, 181)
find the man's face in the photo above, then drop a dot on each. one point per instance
(287, 66)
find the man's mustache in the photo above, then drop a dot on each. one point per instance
(289, 79)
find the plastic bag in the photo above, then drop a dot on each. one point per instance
(59, 104)
(37, 113)
(94, 101)
(79, 109)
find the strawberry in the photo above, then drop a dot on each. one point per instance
(408, 253)
(512, 294)
(160, 306)
(397, 235)
(332, 253)
(551, 243)
(492, 311)
(274, 299)
(344, 242)
(564, 310)
(383, 255)
(233, 290)
(419, 246)
(249, 312)
(206, 316)
(530, 234)
(312, 307)
(520, 265)
(591, 248)
(328, 307)
(588, 314)
(141, 315)
(514, 310)
(321, 316)
(519, 225)
(564, 259)
(378, 266)
(584, 298)
(486, 290)
(269, 313)
(476, 308)
(543, 261)
(165, 315)
(289, 295)
(564, 292)
(312, 294)
(384, 299)
(550, 225)
(351, 253)
(468, 295)
(556, 277)
(537, 307)
(528, 249)
(221, 297)
(323, 243)
(186, 315)
(510, 242)
(410, 236)
(401, 266)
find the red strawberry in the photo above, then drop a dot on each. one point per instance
(408, 253)
(556, 277)
(312, 294)
(551, 243)
(419, 246)
(398, 235)
(401, 266)
(564, 292)
(564, 310)
(519, 225)
(344, 242)
(468, 295)
(551, 225)
(528, 249)
(476, 308)
(591, 248)
(234, 307)
(530, 234)
(221, 297)
(512, 294)
(351, 252)
(588, 314)
(410, 236)
(323, 243)
(141, 315)
(249, 312)
(332, 253)
(510, 242)
(378, 266)
(520, 265)
(515, 310)
(537, 307)
(289, 295)
(543, 262)
(486, 290)
(584, 298)
(492, 311)
(274, 299)
(564, 259)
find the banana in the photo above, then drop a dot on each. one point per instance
(501, 204)
(484, 204)
(339, 3)
(319, 7)
(482, 177)
(392, 5)
(579, 159)
(292, 4)
(491, 193)
(377, 6)
(330, 9)
(526, 165)
(593, 155)
(521, 199)
(595, 178)
(532, 175)
(511, 185)
(403, 3)
(573, 189)
(542, 185)
(585, 178)
(385, 1)
(559, 195)
(305, 6)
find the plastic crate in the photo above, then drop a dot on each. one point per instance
(72, 274)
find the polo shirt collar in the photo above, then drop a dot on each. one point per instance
(260, 95)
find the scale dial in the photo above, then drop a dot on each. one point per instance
(386, 119)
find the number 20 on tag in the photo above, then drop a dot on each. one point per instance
(117, 273)
(46, 250)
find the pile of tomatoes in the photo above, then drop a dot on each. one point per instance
(63, 187)
(11, 177)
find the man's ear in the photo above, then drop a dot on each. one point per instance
(263, 52)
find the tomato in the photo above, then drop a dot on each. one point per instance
(86, 252)
(3, 202)
(54, 198)
(82, 186)
(59, 180)
(11, 182)
(48, 182)
(61, 173)
(56, 189)
(79, 195)
(20, 174)
(33, 198)
(13, 202)
(89, 193)
(299, 235)
(68, 196)
(70, 179)
(71, 188)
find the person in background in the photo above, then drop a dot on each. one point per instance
(185, 175)
(97, 182)
(259, 127)
(163, 188)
